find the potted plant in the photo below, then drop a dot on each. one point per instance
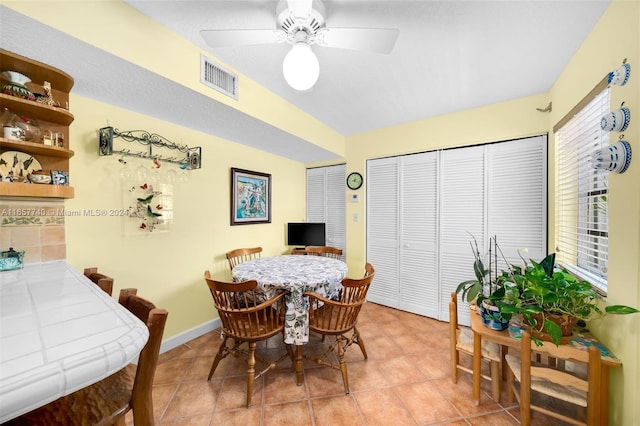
(551, 300)
(486, 290)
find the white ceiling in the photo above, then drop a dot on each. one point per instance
(450, 56)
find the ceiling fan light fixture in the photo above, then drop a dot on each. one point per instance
(300, 67)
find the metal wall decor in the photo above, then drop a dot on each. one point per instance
(187, 158)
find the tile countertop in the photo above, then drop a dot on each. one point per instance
(59, 332)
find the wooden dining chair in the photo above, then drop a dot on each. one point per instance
(553, 381)
(103, 281)
(326, 251)
(461, 341)
(369, 269)
(338, 318)
(237, 256)
(109, 400)
(246, 321)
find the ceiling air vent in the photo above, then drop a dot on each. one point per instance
(217, 77)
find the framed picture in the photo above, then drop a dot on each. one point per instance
(59, 177)
(250, 197)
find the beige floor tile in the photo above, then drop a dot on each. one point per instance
(280, 386)
(202, 420)
(336, 411)
(367, 375)
(243, 417)
(234, 393)
(401, 370)
(426, 404)
(324, 381)
(383, 407)
(434, 364)
(292, 413)
(500, 418)
(172, 371)
(461, 396)
(193, 398)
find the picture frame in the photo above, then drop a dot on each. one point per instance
(59, 177)
(250, 197)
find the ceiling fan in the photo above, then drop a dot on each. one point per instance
(301, 23)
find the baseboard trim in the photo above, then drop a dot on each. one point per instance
(184, 337)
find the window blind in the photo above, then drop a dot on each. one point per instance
(582, 194)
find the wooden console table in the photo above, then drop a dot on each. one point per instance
(580, 342)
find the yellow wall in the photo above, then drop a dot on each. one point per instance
(168, 267)
(615, 37)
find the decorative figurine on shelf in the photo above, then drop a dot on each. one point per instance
(47, 99)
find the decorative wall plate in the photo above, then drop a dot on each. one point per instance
(15, 166)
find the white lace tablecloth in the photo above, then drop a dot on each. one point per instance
(296, 274)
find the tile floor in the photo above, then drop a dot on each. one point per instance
(405, 381)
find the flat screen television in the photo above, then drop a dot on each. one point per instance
(306, 234)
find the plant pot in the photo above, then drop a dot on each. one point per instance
(565, 322)
(516, 327)
(492, 318)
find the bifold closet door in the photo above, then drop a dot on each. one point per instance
(462, 218)
(424, 210)
(382, 229)
(326, 202)
(418, 229)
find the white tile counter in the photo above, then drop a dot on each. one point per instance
(59, 332)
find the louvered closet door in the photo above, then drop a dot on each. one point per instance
(326, 202)
(517, 198)
(462, 215)
(316, 194)
(336, 207)
(418, 267)
(382, 229)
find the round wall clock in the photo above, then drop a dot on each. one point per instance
(354, 180)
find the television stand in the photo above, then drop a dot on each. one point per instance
(298, 250)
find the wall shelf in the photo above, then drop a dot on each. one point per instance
(35, 148)
(53, 118)
(17, 189)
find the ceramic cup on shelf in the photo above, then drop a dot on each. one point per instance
(13, 133)
(620, 76)
(616, 121)
(614, 158)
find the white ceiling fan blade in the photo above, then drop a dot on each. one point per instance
(232, 38)
(299, 8)
(378, 40)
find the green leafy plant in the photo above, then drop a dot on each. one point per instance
(485, 286)
(540, 291)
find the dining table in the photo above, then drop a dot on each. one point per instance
(580, 341)
(59, 332)
(294, 274)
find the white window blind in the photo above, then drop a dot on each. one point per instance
(582, 194)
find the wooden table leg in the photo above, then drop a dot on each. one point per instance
(298, 365)
(477, 365)
(604, 395)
